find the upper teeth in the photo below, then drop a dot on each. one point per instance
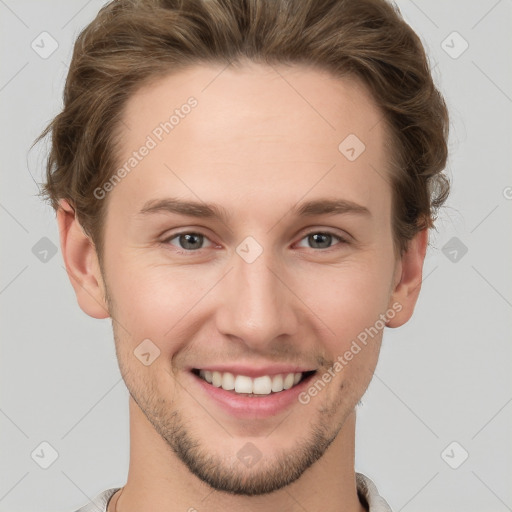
(242, 384)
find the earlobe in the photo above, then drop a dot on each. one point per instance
(407, 284)
(80, 259)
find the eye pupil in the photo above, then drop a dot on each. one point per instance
(316, 238)
(187, 240)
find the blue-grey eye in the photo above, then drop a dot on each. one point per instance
(321, 240)
(188, 241)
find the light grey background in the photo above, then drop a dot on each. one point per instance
(443, 377)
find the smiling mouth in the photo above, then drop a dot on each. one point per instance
(254, 387)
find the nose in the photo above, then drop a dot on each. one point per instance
(256, 306)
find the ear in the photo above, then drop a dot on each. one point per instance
(82, 266)
(407, 279)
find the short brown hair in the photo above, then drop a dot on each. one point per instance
(131, 42)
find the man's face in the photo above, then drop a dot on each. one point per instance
(263, 291)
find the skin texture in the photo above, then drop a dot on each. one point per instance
(260, 140)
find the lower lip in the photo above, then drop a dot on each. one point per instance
(261, 406)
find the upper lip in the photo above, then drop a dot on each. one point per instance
(254, 371)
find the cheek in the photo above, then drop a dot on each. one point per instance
(347, 299)
(153, 301)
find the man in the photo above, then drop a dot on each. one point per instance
(246, 189)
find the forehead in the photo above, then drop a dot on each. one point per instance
(251, 132)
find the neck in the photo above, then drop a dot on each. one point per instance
(159, 481)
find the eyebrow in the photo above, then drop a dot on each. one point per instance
(327, 206)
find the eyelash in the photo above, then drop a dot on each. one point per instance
(341, 240)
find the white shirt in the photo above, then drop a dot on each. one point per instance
(366, 489)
